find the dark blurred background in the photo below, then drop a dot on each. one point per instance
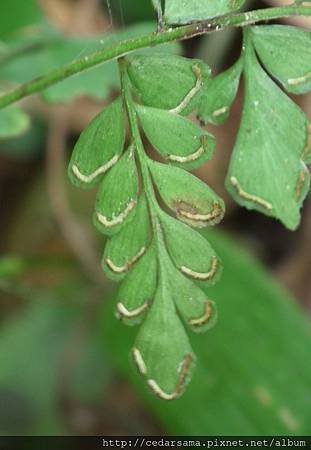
(64, 366)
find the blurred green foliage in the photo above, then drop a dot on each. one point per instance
(127, 11)
(16, 14)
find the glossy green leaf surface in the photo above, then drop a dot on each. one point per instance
(285, 51)
(137, 291)
(168, 81)
(190, 251)
(197, 311)
(176, 138)
(125, 249)
(219, 94)
(13, 121)
(245, 364)
(266, 171)
(184, 11)
(192, 200)
(162, 351)
(117, 195)
(99, 146)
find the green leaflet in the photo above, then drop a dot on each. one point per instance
(162, 350)
(184, 11)
(192, 200)
(117, 195)
(168, 81)
(198, 312)
(13, 121)
(125, 249)
(176, 138)
(98, 147)
(137, 290)
(286, 52)
(190, 251)
(219, 94)
(266, 171)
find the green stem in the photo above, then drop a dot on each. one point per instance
(150, 40)
(136, 141)
(143, 162)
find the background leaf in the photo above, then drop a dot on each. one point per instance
(16, 14)
(13, 121)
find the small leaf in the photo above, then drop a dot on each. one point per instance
(184, 11)
(168, 82)
(117, 195)
(218, 96)
(13, 121)
(286, 52)
(191, 199)
(198, 312)
(190, 251)
(266, 171)
(137, 290)
(98, 147)
(162, 350)
(127, 247)
(176, 138)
